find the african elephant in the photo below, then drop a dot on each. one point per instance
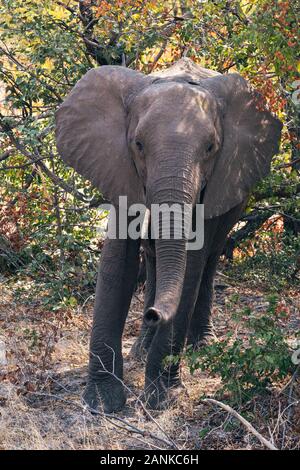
(184, 135)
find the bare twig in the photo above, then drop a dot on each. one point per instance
(246, 423)
(290, 383)
(294, 378)
(134, 429)
(108, 417)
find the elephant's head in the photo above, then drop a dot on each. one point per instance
(161, 139)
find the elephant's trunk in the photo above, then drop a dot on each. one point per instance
(170, 245)
(170, 265)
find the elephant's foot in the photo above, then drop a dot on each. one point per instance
(159, 396)
(108, 396)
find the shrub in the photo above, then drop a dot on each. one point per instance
(250, 362)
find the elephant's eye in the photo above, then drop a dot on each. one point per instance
(139, 145)
(210, 148)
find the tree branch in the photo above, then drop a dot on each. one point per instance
(94, 48)
(22, 67)
(246, 423)
(5, 155)
(37, 160)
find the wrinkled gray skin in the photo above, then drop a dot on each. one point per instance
(186, 135)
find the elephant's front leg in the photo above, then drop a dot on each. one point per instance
(116, 280)
(162, 379)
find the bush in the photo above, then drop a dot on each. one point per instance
(275, 265)
(250, 362)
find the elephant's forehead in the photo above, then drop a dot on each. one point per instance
(169, 95)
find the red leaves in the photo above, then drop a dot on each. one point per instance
(12, 219)
(270, 92)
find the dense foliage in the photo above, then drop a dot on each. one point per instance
(48, 213)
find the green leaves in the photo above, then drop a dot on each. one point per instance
(248, 362)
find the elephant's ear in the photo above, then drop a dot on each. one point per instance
(251, 138)
(91, 131)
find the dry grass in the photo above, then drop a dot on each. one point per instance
(41, 385)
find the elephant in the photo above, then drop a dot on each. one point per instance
(184, 135)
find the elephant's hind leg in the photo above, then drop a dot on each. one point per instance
(116, 280)
(201, 329)
(141, 346)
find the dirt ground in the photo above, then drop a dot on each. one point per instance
(43, 379)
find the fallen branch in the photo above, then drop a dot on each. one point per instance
(246, 423)
(133, 429)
